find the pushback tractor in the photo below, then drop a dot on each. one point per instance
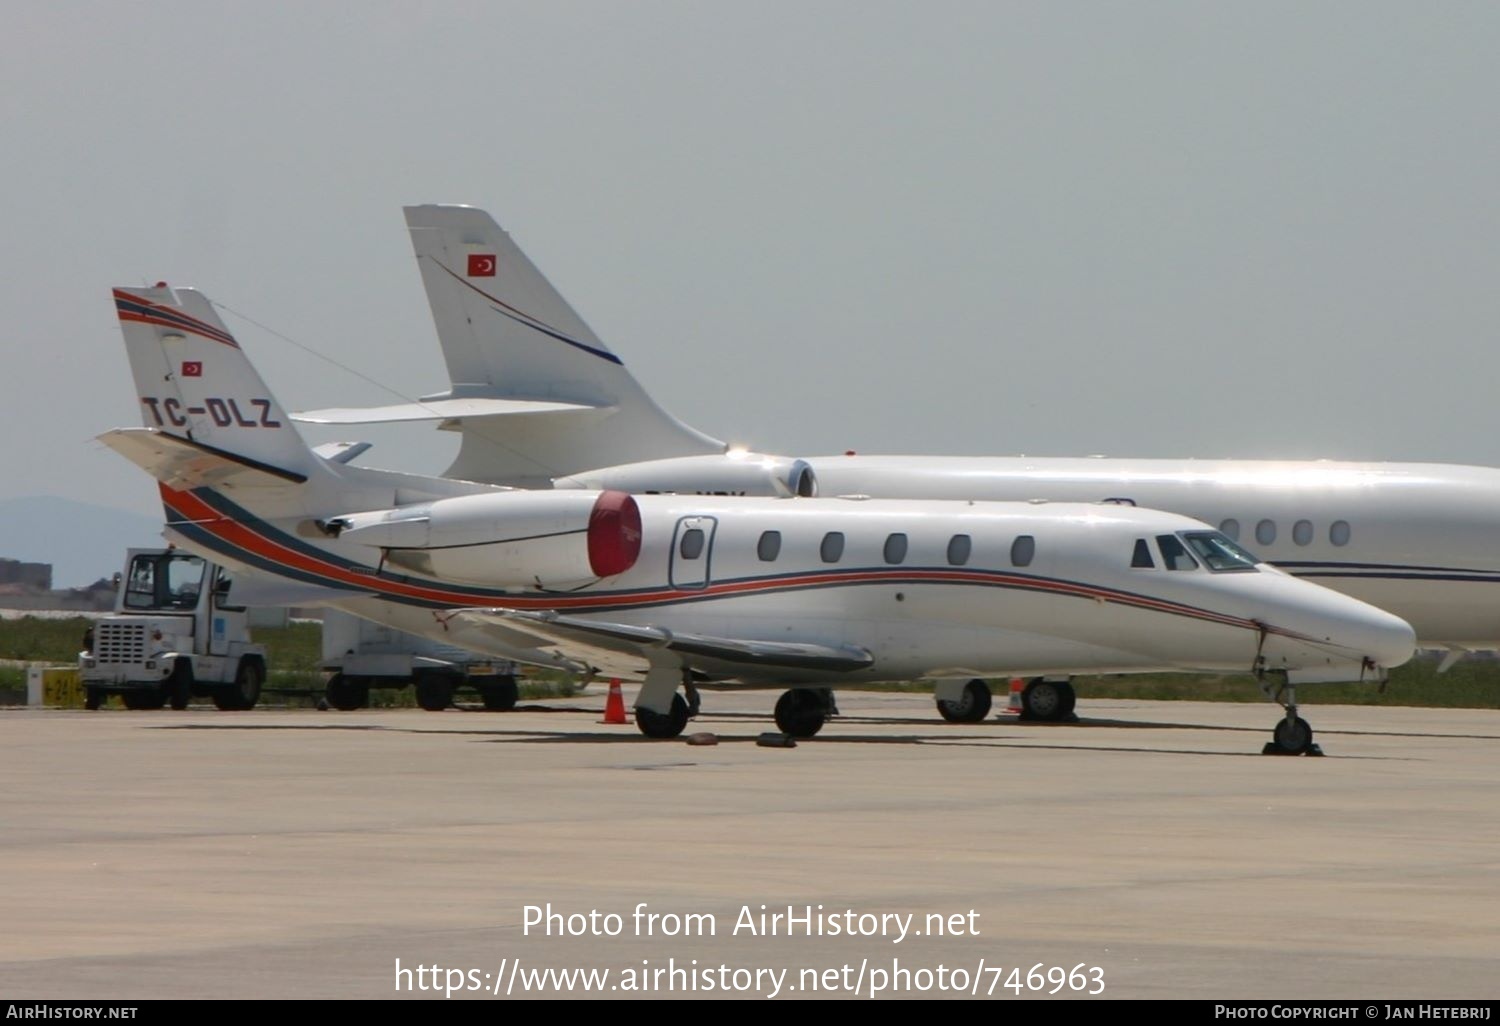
(175, 633)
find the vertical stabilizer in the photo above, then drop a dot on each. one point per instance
(507, 333)
(195, 383)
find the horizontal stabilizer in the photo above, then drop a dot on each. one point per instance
(182, 464)
(442, 409)
(621, 636)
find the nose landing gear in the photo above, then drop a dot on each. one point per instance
(1292, 735)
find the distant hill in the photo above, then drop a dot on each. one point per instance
(83, 542)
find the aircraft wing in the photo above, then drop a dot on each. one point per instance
(709, 652)
(183, 464)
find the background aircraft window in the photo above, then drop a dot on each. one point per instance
(959, 548)
(691, 546)
(895, 548)
(1231, 529)
(1302, 532)
(1022, 550)
(1141, 559)
(832, 549)
(769, 546)
(1174, 555)
(1338, 532)
(1218, 552)
(1265, 532)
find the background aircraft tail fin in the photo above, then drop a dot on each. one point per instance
(506, 333)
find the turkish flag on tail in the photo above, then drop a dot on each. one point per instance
(481, 265)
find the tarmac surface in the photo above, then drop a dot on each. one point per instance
(300, 854)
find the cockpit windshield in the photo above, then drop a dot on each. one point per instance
(1174, 556)
(1218, 553)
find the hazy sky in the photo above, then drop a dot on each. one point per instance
(1149, 229)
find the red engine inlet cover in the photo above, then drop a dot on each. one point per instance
(614, 534)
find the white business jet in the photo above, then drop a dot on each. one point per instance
(688, 590)
(1417, 539)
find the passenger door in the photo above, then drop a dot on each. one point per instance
(692, 552)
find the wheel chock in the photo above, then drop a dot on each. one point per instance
(703, 738)
(1272, 748)
(774, 740)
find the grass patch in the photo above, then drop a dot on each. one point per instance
(40, 640)
(296, 649)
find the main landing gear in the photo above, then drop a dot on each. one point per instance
(663, 725)
(662, 713)
(1045, 700)
(1048, 701)
(1292, 735)
(801, 712)
(660, 690)
(972, 705)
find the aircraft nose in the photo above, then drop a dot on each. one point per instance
(1368, 631)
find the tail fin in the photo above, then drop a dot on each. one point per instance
(506, 333)
(197, 387)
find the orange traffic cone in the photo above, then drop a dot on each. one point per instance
(614, 706)
(1016, 687)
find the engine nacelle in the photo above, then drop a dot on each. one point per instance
(547, 540)
(732, 473)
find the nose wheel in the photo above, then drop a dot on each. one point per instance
(1292, 735)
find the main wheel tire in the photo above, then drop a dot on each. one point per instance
(973, 707)
(1294, 736)
(501, 694)
(801, 712)
(93, 698)
(180, 685)
(1048, 700)
(245, 691)
(434, 691)
(144, 699)
(347, 693)
(657, 725)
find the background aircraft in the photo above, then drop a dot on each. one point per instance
(814, 593)
(1413, 538)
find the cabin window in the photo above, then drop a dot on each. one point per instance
(1302, 532)
(1022, 550)
(1230, 529)
(1174, 555)
(832, 549)
(959, 548)
(1218, 553)
(1338, 532)
(1141, 559)
(769, 546)
(895, 548)
(1265, 532)
(691, 545)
